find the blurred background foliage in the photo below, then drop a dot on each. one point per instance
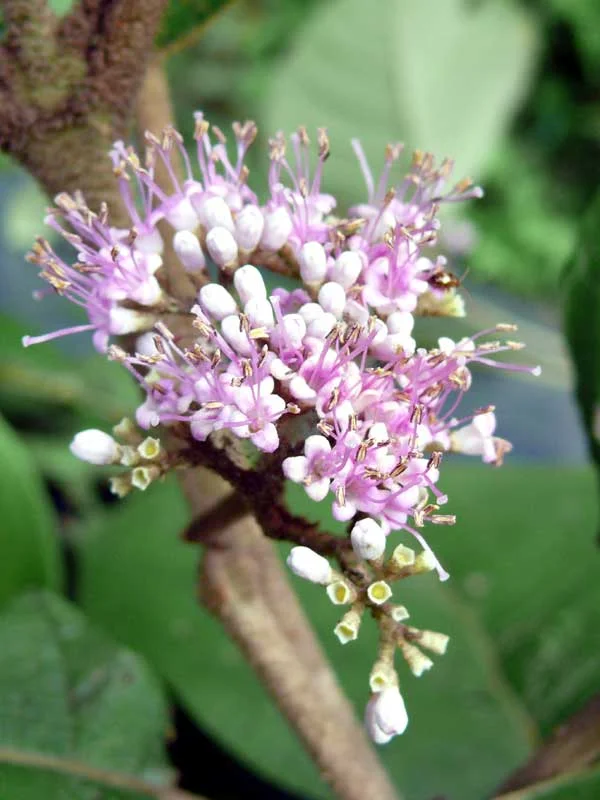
(105, 656)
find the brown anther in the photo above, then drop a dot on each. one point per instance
(114, 253)
(216, 358)
(292, 408)
(515, 345)
(303, 136)
(443, 519)
(212, 405)
(323, 142)
(116, 353)
(340, 496)
(417, 414)
(400, 467)
(506, 327)
(435, 459)
(463, 185)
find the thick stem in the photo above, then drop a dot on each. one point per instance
(242, 584)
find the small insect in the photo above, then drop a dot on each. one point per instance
(445, 280)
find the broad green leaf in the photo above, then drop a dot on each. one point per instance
(28, 539)
(69, 695)
(440, 76)
(582, 323)
(522, 554)
(184, 18)
(138, 581)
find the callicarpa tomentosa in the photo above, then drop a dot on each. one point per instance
(318, 381)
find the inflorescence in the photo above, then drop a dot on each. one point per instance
(324, 378)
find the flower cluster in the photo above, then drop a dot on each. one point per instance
(327, 374)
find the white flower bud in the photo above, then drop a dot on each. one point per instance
(249, 284)
(368, 539)
(147, 292)
(320, 327)
(222, 246)
(260, 313)
(216, 301)
(346, 269)
(347, 628)
(127, 320)
(309, 565)
(249, 226)
(295, 329)
(387, 713)
(332, 298)
(149, 448)
(235, 335)
(300, 389)
(379, 592)
(145, 344)
(341, 593)
(95, 447)
(214, 212)
(310, 311)
(151, 242)
(313, 262)
(278, 226)
(189, 251)
(182, 216)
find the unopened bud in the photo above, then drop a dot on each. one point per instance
(95, 447)
(249, 284)
(386, 715)
(222, 247)
(249, 226)
(126, 320)
(189, 251)
(368, 539)
(379, 592)
(214, 212)
(309, 565)
(278, 226)
(313, 262)
(182, 216)
(346, 269)
(347, 628)
(216, 301)
(332, 298)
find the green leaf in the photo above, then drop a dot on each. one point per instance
(138, 581)
(28, 543)
(184, 18)
(70, 699)
(582, 323)
(522, 554)
(444, 77)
